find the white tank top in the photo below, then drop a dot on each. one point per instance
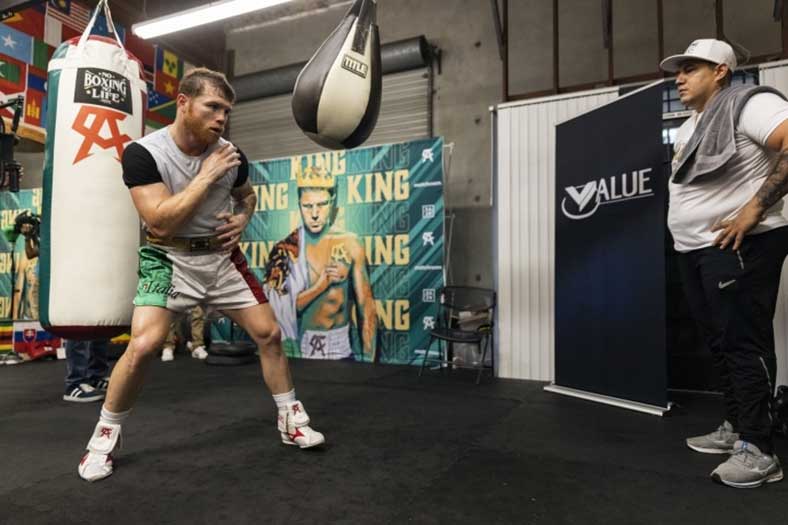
(177, 169)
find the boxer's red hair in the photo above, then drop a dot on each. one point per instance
(195, 80)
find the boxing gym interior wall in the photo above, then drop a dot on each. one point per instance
(523, 249)
(639, 30)
(466, 81)
(468, 76)
(566, 59)
(525, 221)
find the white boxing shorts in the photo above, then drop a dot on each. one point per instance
(179, 280)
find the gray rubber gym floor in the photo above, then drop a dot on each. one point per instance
(201, 447)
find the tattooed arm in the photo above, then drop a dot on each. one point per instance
(771, 191)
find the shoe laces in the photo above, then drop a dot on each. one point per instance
(744, 456)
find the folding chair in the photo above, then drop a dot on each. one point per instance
(465, 316)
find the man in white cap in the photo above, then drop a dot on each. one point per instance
(729, 175)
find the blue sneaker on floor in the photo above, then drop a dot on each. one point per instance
(101, 384)
(84, 393)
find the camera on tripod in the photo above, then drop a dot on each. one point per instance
(28, 218)
(12, 232)
(10, 170)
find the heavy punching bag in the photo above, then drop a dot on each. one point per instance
(90, 228)
(336, 99)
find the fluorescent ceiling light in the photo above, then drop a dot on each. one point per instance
(196, 16)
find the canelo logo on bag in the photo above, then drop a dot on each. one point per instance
(92, 134)
(103, 88)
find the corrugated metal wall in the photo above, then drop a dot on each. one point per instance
(775, 74)
(525, 217)
(265, 129)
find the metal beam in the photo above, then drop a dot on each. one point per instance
(499, 34)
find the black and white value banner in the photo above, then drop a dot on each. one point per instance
(610, 251)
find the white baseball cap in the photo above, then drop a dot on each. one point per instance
(708, 49)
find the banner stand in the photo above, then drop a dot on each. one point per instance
(607, 400)
(610, 268)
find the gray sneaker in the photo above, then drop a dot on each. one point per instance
(720, 441)
(748, 468)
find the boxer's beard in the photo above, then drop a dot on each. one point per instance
(197, 127)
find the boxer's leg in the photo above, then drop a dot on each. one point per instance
(149, 327)
(293, 422)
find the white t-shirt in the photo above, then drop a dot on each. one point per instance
(696, 207)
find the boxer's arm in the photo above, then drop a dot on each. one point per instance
(242, 193)
(163, 212)
(245, 201)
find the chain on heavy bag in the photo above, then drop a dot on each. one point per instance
(90, 229)
(336, 99)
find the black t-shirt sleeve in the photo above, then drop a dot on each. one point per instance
(243, 171)
(139, 168)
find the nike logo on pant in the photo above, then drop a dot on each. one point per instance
(725, 284)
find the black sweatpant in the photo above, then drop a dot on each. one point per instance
(732, 295)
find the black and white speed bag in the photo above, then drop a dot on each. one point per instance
(336, 99)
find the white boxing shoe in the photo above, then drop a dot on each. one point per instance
(293, 424)
(94, 467)
(97, 462)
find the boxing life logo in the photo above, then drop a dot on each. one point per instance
(110, 91)
(103, 88)
(581, 202)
